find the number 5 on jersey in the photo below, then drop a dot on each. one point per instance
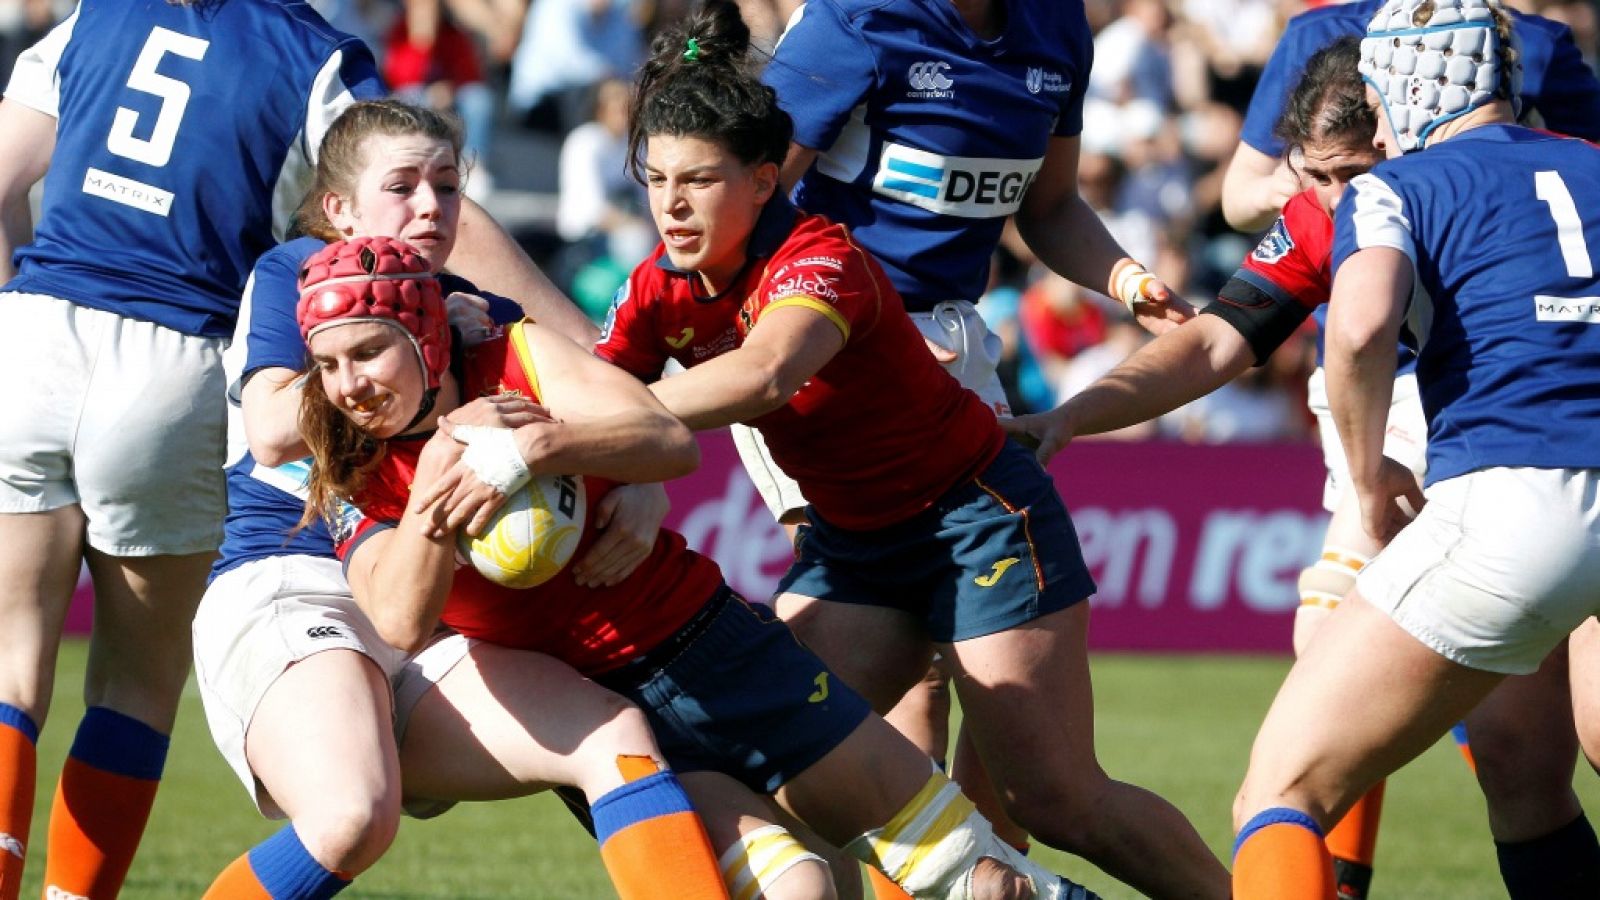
(157, 149)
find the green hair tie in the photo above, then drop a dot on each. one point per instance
(693, 53)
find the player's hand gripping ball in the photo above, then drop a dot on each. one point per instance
(533, 536)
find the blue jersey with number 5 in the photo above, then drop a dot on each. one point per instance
(1502, 225)
(185, 137)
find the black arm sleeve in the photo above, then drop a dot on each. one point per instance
(1262, 320)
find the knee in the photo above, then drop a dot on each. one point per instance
(349, 834)
(1065, 813)
(810, 879)
(622, 731)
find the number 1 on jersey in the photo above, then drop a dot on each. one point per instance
(1550, 188)
(174, 94)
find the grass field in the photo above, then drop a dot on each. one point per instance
(1178, 725)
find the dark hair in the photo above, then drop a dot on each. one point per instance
(700, 82)
(340, 157)
(1329, 101)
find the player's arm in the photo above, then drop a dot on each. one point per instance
(490, 258)
(1255, 188)
(271, 404)
(1182, 365)
(1068, 236)
(27, 138)
(788, 345)
(607, 423)
(795, 164)
(401, 576)
(1178, 367)
(1364, 318)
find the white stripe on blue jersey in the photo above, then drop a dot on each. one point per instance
(927, 135)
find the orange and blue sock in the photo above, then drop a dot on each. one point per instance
(1459, 732)
(102, 803)
(1353, 843)
(654, 845)
(18, 760)
(278, 868)
(1280, 855)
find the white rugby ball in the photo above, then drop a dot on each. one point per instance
(533, 535)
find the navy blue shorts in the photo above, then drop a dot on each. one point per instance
(735, 692)
(991, 554)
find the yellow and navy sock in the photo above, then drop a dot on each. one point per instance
(653, 844)
(1353, 841)
(1280, 855)
(102, 803)
(278, 868)
(1562, 865)
(18, 760)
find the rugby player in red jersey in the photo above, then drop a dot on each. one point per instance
(784, 323)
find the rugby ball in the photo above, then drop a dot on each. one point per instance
(533, 535)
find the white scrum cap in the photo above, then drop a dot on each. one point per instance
(1435, 60)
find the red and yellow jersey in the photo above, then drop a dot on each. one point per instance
(591, 629)
(874, 437)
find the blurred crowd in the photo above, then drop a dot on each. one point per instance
(1170, 83)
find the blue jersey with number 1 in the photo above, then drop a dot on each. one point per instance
(929, 135)
(1502, 225)
(184, 141)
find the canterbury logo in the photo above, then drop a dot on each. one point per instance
(10, 845)
(683, 337)
(995, 573)
(821, 693)
(929, 76)
(322, 631)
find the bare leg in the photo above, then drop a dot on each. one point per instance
(1527, 782)
(1335, 729)
(39, 558)
(1027, 695)
(322, 745)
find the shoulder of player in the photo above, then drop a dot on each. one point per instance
(287, 256)
(816, 242)
(1534, 27)
(1320, 25)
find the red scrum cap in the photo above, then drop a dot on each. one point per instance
(377, 279)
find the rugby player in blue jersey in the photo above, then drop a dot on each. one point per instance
(1502, 563)
(174, 140)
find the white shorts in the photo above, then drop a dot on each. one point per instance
(1405, 440)
(1498, 568)
(122, 417)
(954, 325)
(264, 616)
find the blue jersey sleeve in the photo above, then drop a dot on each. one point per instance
(502, 310)
(273, 341)
(822, 70)
(1305, 34)
(1070, 122)
(1567, 94)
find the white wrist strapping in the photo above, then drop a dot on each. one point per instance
(492, 454)
(1128, 282)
